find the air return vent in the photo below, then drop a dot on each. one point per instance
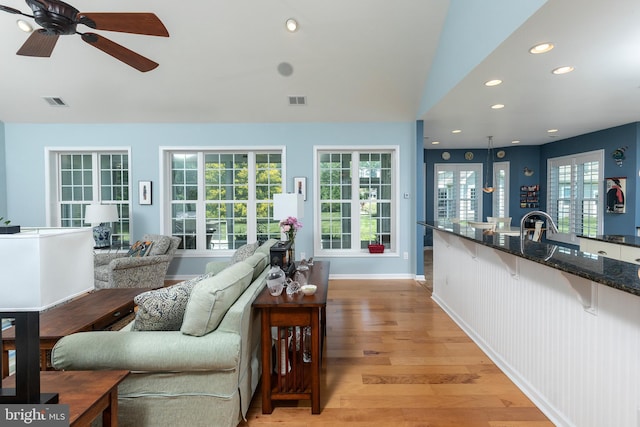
(297, 100)
(55, 101)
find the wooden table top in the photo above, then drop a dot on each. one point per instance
(81, 313)
(78, 389)
(318, 275)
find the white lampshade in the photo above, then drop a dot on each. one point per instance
(288, 204)
(98, 214)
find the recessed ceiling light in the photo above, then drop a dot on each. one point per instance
(552, 130)
(515, 141)
(456, 131)
(292, 25)
(494, 82)
(497, 106)
(24, 25)
(435, 142)
(541, 48)
(562, 70)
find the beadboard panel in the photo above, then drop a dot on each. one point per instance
(571, 345)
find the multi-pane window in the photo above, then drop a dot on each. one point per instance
(221, 199)
(357, 199)
(457, 190)
(501, 193)
(574, 199)
(92, 177)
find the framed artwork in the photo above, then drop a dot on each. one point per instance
(616, 188)
(300, 186)
(144, 192)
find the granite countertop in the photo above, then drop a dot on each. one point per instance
(620, 275)
(620, 239)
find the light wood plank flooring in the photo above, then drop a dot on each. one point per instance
(394, 358)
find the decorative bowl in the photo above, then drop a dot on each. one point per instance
(308, 289)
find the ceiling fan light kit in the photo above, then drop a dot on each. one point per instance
(58, 18)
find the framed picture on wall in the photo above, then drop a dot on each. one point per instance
(616, 189)
(300, 186)
(144, 192)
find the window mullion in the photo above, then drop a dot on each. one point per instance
(201, 207)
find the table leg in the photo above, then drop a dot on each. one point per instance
(267, 406)
(316, 362)
(109, 415)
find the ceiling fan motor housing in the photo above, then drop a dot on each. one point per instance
(55, 17)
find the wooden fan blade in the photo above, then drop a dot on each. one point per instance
(135, 23)
(40, 44)
(121, 53)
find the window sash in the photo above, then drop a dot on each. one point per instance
(500, 202)
(220, 200)
(575, 195)
(458, 190)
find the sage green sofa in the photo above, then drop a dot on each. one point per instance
(202, 375)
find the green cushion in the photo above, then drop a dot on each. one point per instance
(212, 297)
(163, 309)
(258, 262)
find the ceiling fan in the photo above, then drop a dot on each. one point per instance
(58, 18)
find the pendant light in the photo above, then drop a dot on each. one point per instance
(488, 188)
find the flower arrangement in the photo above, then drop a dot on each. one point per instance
(290, 226)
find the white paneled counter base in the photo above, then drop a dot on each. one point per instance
(572, 345)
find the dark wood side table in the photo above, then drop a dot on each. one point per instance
(88, 394)
(293, 379)
(94, 311)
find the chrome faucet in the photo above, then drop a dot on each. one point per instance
(550, 225)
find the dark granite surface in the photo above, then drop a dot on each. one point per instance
(620, 239)
(610, 272)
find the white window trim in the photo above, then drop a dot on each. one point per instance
(458, 167)
(395, 206)
(596, 155)
(506, 166)
(51, 179)
(165, 190)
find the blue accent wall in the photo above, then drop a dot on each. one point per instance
(535, 158)
(25, 165)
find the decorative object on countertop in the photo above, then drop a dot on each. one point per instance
(276, 279)
(5, 228)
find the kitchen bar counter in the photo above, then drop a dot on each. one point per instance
(620, 275)
(619, 239)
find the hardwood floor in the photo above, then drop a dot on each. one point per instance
(394, 358)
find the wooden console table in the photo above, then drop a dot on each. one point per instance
(88, 394)
(288, 315)
(91, 312)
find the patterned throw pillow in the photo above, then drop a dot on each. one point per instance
(244, 252)
(140, 249)
(163, 309)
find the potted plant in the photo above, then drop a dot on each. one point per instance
(376, 248)
(5, 228)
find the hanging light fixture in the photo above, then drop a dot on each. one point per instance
(488, 188)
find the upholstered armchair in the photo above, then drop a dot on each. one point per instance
(123, 271)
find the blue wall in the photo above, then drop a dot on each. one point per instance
(3, 175)
(535, 158)
(25, 161)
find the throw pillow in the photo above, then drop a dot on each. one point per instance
(258, 262)
(140, 249)
(244, 252)
(211, 298)
(160, 245)
(163, 309)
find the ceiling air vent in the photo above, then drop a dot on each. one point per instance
(55, 101)
(297, 100)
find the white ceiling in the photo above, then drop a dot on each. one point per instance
(355, 61)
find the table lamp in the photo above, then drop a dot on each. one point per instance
(27, 355)
(98, 216)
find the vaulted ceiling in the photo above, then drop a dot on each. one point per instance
(226, 61)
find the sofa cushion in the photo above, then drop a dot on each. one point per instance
(160, 246)
(244, 252)
(163, 309)
(212, 297)
(258, 262)
(265, 248)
